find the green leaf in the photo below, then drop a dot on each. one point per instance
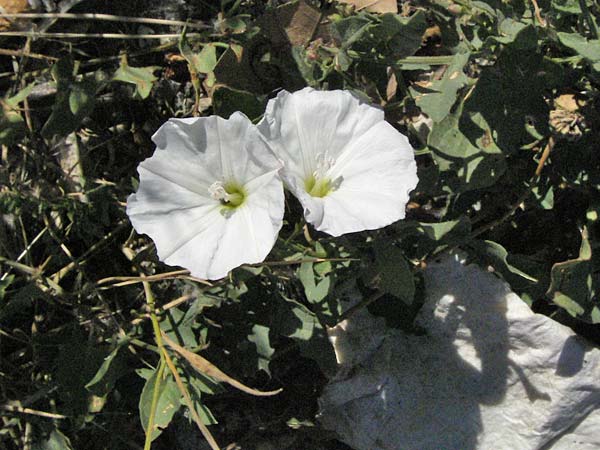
(296, 321)
(451, 232)
(56, 441)
(508, 100)
(77, 363)
(179, 327)
(315, 290)
(142, 77)
(587, 49)
(75, 100)
(403, 35)
(199, 62)
(111, 369)
(439, 98)
(168, 403)
(81, 99)
(260, 338)
(391, 273)
(12, 124)
(495, 255)
(4, 284)
(349, 30)
(512, 31)
(574, 284)
(568, 304)
(475, 159)
(226, 101)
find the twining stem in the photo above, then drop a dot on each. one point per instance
(154, 405)
(161, 365)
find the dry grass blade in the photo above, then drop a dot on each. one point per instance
(206, 367)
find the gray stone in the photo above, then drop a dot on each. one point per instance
(487, 374)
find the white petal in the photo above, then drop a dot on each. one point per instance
(250, 233)
(378, 175)
(173, 205)
(301, 126)
(374, 162)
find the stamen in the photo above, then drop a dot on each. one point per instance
(218, 192)
(318, 184)
(229, 194)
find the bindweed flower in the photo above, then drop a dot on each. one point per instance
(350, 169)
(210, 197)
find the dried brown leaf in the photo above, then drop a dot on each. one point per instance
(206, 367)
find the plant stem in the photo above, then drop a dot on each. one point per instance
(161, 365)
(154, 405)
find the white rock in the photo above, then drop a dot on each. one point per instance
(487, 373)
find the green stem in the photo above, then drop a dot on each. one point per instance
(161, 365)
(154, 405)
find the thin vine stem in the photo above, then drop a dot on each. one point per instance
(154, 404)
(161, 366)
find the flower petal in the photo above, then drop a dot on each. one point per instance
(372, 164)
(309, 124)
(174, 207)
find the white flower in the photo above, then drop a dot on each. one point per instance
(210, 197)
(350, 169)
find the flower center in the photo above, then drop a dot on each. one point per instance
(318, 184)
(230, 194)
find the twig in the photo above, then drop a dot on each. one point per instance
(545, 155)
(33, 412)
(106, 17)
(26, 251)
(36, 34)
(538, 14)
(177, 274)
(57, 276)
(7, 52)
(301, 261)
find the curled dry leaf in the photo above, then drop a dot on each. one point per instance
(206, 367)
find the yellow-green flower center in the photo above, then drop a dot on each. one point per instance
(235, 195)
(318, 187)
(230, 194)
